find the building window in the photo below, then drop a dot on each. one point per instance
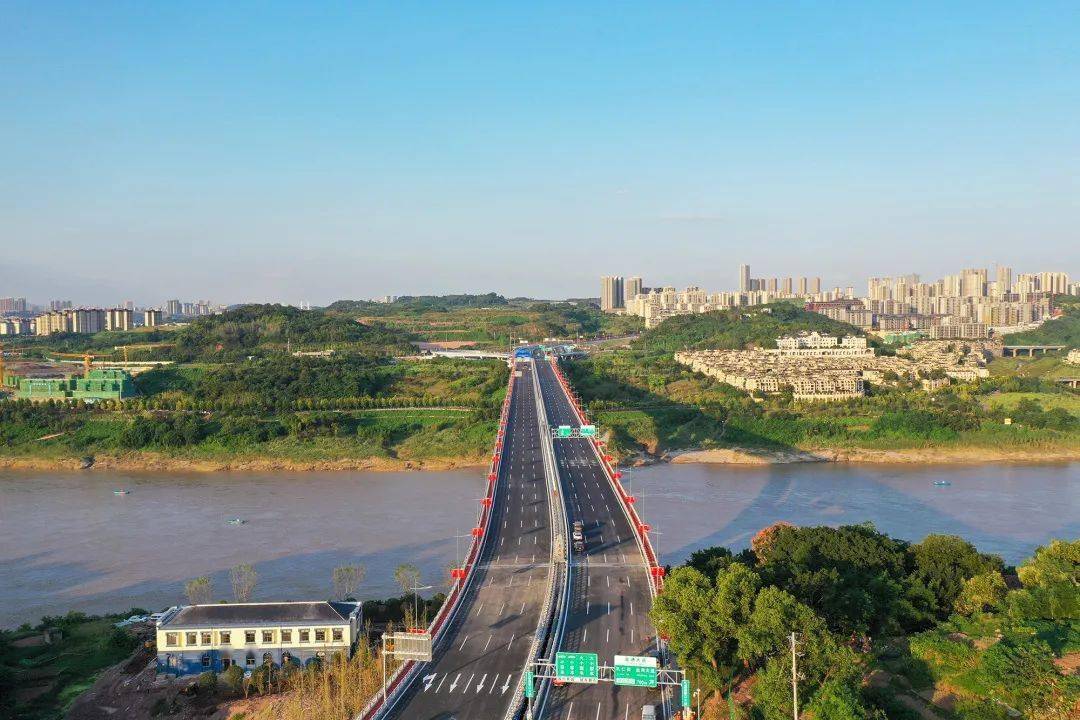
(250, 660)
(268, 636)
(249, 636)
(191, 639)
(206, 661)
(226, 637)
(286, 636)
(320, 636)
(337, 634)
(305, 636)
(172, 639)
(225, 663)
(206, 638)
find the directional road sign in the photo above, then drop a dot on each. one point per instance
(565, 431)
(588, 431)
(530, 684)
(684, 695)
(577, 667)
(638, 671)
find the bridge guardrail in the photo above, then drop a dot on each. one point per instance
(407, 672)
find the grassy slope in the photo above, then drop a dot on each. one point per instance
(405, 433)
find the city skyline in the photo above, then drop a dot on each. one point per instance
(368, 151)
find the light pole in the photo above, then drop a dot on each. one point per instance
(697, 696)
(416, 601)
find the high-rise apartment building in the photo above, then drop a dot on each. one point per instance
(612, 296)
(815, 286)
(633, 289)
(744, 278)
(173, 308)
(12, 305)
(119, 319)
(151, 318)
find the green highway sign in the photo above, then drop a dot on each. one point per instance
(577, 667)
(530, 682)
(684, 686)
(638, 671)
(588, 431)
(565, 431)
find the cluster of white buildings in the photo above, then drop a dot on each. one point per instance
(821, 367)
(970, 304)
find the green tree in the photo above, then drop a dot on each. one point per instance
(347, 579)
(199, 591)
(981, 593)
(942, 563)
(243, 578)
(1051, 583)
(407, 576)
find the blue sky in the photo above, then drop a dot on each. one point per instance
(283, 151)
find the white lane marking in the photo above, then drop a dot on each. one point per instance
(609, 608)
(585, 636)
(480, 686)
(631, 607)
(522, 611)
(511, 642)
(607, 635)
(608, 578)
(439, 687)
(598, 711)
(465, 687)
(494, 683)
(631, 636)
(463, 643)
(479, 608)
(487, 643)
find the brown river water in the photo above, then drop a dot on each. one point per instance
(67, 542)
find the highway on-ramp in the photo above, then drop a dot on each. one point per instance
(610, 597)
(477, 668)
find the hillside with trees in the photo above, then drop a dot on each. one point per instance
(883, 628)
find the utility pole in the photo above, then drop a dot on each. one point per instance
(794, 682)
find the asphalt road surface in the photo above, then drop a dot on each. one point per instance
(609, 591)
(478, 666)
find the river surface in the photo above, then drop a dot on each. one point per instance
(67, 542)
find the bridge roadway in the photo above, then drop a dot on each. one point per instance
(478, 666)
(610, 598)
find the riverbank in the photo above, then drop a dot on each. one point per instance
(869, 456)
(154, 462)
(747, 456)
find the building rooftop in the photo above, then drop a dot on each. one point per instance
(269, 613)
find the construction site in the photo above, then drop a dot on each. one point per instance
(70, 376)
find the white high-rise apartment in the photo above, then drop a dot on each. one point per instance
(611, 293)
(744, 278)
(632, 289)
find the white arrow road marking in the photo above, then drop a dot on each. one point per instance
(428, 679)
(481, 685)
(454, 683)
(506, 685)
